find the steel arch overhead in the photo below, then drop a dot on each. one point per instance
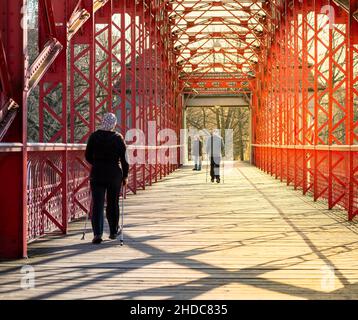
(216, 40)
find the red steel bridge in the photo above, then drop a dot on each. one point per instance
(68, 61)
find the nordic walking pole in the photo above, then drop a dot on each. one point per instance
(85, 229)
(223, 171)
(87, 219)
(207, 165)
(122, 217)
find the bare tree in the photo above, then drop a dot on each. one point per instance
(223, 118)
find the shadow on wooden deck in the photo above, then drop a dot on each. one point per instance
(250, 238)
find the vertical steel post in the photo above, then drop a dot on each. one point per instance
(352, 139)
(13, 165)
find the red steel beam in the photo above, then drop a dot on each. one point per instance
(13, 165)
(305, 128)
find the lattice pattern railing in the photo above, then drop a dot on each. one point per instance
(58, 189)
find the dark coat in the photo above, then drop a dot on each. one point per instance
(215, 146)
(106, 152)
(197, 148)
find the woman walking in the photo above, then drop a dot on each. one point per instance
(197, 153)
(106, 152)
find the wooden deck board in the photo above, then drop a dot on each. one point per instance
(250, 238)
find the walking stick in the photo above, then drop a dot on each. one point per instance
(87, 219)
(85, 228)
(207, 168)
(122, 217)
(223, 171)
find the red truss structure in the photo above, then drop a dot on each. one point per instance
(219, 44)
(93, 56)
(296, 61)
(305, 102)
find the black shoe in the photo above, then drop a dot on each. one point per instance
(97, 240)
(113, 236)
(212, 180)
(218, 180)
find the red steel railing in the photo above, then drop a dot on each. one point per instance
(325, 172)
(58, 185)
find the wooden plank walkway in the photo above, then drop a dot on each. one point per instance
(250, 238)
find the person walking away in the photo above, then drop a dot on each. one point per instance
(106, 152)
(197, 152)
(215, 144)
